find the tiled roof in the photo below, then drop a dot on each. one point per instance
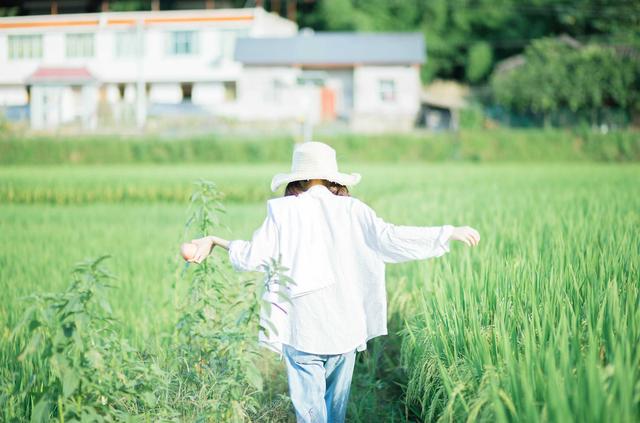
(332, 48)
(58, 74)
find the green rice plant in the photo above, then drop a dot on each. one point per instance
(477, 144)
(74, 365)
(542, 321)
(216, 333)
(538, 323)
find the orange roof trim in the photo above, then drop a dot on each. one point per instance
(199, 19)
(39, 24)
(95, 22)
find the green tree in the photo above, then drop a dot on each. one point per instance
(556, 76)
(479, 61)
(464, 38)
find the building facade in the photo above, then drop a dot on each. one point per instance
(114, 69)
(370, 80)
(71, 68)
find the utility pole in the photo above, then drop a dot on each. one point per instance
(141, 92)
(292, 9)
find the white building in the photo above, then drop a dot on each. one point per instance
(371, 80)
(241, 64)
(69, 68)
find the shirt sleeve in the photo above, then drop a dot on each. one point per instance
(397, 244)
(247, 256)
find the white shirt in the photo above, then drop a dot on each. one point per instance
(335, 248)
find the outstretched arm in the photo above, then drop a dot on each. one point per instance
(397, 244)
(465, 234)
(243, 255)
(205, 245)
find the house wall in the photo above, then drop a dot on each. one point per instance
(341, 82)
(371, 113)
(52, 105)
(273, 93)
(213, 60)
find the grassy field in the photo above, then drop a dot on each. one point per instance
(471, 145)
(540, 322)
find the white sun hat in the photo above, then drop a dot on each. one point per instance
(314, 160)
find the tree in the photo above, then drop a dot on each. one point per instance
(479, 61)
(465, 38)
(557, 76)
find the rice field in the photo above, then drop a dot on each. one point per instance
(538, 323)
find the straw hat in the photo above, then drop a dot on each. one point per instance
(314, 160)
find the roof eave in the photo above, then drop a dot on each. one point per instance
(332, 64)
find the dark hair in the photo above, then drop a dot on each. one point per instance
(297, 187)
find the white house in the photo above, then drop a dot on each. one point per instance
(371, 80)
(242, 64)
(67, 68)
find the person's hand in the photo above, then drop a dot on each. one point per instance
(204, 246)
(466, 234)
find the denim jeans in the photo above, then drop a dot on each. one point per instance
(319, 384)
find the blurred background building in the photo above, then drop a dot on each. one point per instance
(372, 65)
(115, 69)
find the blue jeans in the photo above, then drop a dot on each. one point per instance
(319, 384)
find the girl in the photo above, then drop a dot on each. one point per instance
(335, 248)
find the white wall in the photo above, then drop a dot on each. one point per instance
(272, 93)
(13, 95)
(166, 93)
(53, 105)
(208, 68)
(207, 93)
(371, 113)
(157, 66)
(272, 25)
(367, 92)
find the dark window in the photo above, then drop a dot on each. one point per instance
(186, 91)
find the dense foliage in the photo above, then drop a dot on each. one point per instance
(74, 364)
(557, 76)
(465, 38)
(467, 145)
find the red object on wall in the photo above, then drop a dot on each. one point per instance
(328, 104)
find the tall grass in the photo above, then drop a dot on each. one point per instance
(74, 365)
(542, 321)
(538, 323)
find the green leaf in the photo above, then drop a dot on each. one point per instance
(150, 399)
(40, 412)
(95, 358)
(31, 347)
(104, 304)
(70, 382)
(253, 376)
(269, 328)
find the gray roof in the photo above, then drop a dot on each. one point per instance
(332, 48)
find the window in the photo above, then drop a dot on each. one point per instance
(126, 44)
(25, 46)
(121, 90)
(79, 45)
(182, 43)
(387, 90)
(230, 91)
(187, 89)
